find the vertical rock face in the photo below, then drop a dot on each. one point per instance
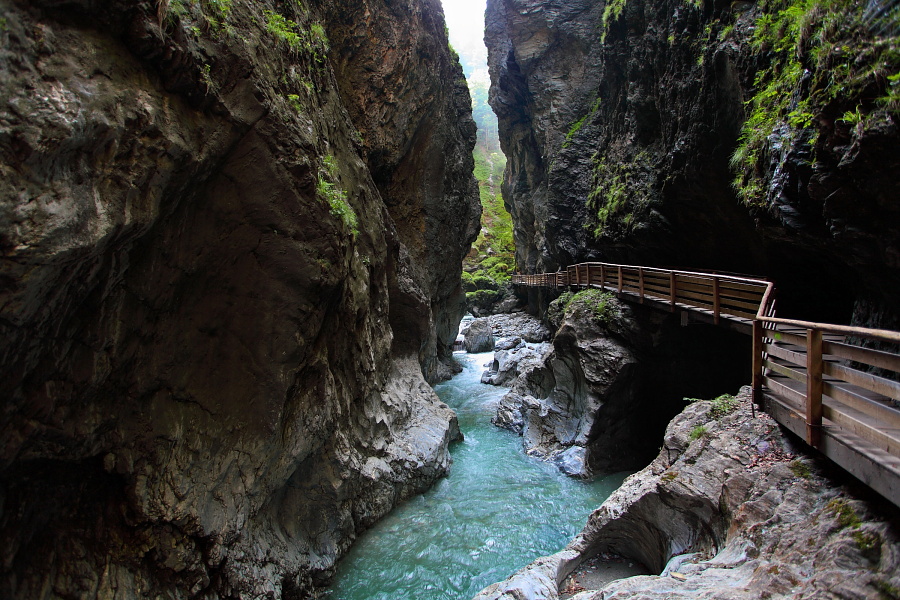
(219, 289)
(400, 94)
(619, 120)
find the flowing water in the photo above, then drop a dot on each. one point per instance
(496, 512)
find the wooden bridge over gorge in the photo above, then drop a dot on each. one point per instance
(813, 378)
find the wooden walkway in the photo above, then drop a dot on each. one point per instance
(813, 378)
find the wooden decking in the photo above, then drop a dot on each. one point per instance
(816, 379)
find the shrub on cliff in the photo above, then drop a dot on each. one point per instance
(601, 306)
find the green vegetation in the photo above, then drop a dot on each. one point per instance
(4, 24)
(598, 303)
(822, 61)
(219, 9)
(669, 476)
(611, 12)
(314, 39)
(698, 432)
(800, 469)
(294, 101)
(868, 542)
(620, 191)
(206, 75)
(577, 125)
(335, 197)
(844, 513)
(214, 12)
(721, 406)
(491, 261)
(284, 29)
(318, 37)
(886, 589)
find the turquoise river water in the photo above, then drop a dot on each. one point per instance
(496, 512)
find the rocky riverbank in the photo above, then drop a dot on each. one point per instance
(729, 509)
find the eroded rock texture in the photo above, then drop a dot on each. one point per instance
(218, 298)
(632, 113)
(599, 400)
(728, 511)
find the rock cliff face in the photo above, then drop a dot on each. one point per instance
(619, 120)
(727, 511)
(220, 287)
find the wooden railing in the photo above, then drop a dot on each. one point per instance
(710, 293)
(814, 378)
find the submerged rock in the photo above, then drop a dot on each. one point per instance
(728, 510)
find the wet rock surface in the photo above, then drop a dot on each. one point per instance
(217, 304)
(728, 509)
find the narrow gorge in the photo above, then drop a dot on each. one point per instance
(239, 236)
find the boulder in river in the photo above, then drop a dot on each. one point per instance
(509, 363)
(479, 336)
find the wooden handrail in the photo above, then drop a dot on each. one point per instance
(801, 370)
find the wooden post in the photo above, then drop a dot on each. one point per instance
(602, 277)
(716, 303)
(589, 274)
(673, 290)
(620, 279)
(757, 374)
(814, 387)
(641, 283)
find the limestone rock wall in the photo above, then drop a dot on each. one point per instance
(628, 113)
(215, 319)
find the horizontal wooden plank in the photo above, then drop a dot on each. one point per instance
(863, 400)
(759, 288)
(701, 280)
(857, 399)
(781, 387)
(659, 291)
(869, 356)
(739, 313)
(885, 438)
(706, 298)
(874, 383)
(739, 304)
(661, 275)
(752, 297)
(782, 336)
(874, 467)
(786, 370)
(693, 287)
(787, 354)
